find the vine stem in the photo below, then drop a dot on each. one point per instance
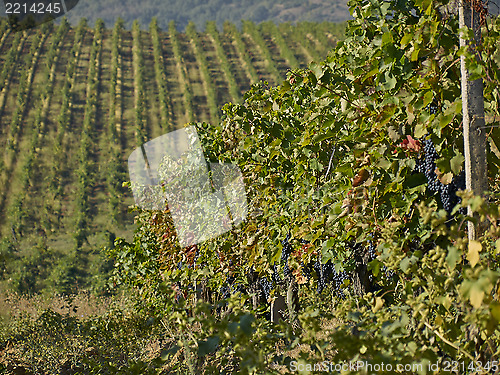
(388, 291)
(446, 340)
(373, 206)
(330, 162)
(449, 66)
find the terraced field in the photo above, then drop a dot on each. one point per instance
(74, 102)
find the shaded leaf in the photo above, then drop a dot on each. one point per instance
(453, 257)
(208, 346)
(476, 297)
(456, 163)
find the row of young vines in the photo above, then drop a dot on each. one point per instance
(13, 132)
(17, 211)
(8, 67)
(211, 30)
(231, 29)
(161, 76)
(187, 91)
(139, 94)
(7, 70)
(24, 89)
(271, 29)
(251, 29)
(303, 38)
(206, 76)
(114, 128)
(53, 207)
(86, 169)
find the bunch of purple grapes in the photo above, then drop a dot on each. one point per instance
(427, 166)
(285, 253)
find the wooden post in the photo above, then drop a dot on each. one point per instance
(278, 308)
(473, 115)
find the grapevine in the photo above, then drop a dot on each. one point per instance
(224, 63)
(208, 81)
(84, 172)
(252, 30)
(114, 175)
(17, 211)
(140, 100)
(231, 29)
(63, 124)
(181, 67)
(161, 79)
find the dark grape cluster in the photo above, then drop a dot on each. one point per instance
(388, 273)
(338, 281)
(225, 292)
(265, 286)
(229, 288)
(307, 270)
(226, 289)
(448, 192)
(285, 253)
(325, 272)
(385, 273)
(432, 107)
(427, 165)
(430, 157)
(238, 288)
(276, 275)
(178, 295)
(318, 267)
(372, 250)
(196, 256)
(328, 275)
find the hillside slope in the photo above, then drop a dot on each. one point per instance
(198, 11)
(74, 103)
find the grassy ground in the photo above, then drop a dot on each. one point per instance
(58, 334)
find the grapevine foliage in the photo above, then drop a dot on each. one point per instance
(326, 155)
(352, 169)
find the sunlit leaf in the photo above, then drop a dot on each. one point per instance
(476, 297)
(473, 254)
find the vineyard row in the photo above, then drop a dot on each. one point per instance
(74, 102)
